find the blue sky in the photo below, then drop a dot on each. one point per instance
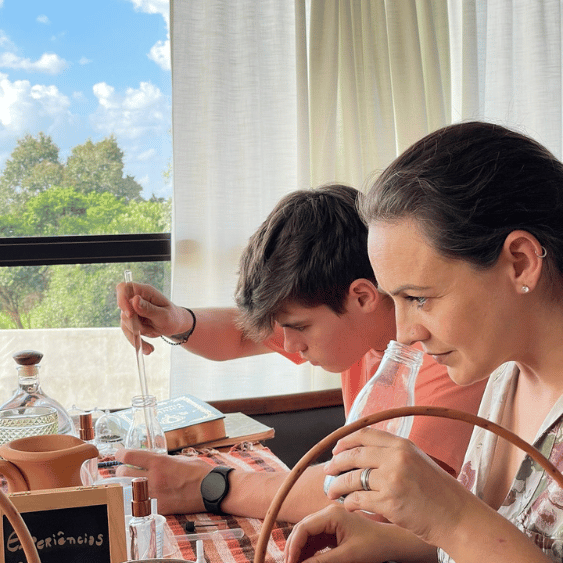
(80, 70)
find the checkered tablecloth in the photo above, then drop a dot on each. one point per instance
(222, 550)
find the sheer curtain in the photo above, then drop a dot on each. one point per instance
(274, 95)
(235, 119)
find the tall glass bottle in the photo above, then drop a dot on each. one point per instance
(142, 526)
(29, 392)
(391, 386)
(145, 432)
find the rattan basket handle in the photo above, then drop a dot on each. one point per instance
(330, 440)
(20, 527)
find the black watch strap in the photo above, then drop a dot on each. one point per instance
(214, 488)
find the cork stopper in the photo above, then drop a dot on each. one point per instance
(86, 427)
(27, 357)
(141, 503)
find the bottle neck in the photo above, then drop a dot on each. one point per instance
(28, 378)
(144, 401)
(404, 354)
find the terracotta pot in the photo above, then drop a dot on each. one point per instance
(44, 462)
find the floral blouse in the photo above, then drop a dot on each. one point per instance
(535, 502)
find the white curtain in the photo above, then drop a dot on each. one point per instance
(274, 95)
(236, 153)
(506, 65)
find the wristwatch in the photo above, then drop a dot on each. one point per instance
(214, 488)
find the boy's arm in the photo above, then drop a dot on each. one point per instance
(216, 335)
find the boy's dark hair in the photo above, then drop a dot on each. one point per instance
(308, 251)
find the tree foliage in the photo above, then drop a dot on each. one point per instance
(89, 195)
(33, 167)
(98, 167)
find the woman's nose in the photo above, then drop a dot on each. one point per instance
(409, 332)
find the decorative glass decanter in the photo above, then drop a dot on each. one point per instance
(29, 392)
(391, 386)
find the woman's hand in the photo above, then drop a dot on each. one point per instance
(174, 480)
(353, 537)
(406, 486)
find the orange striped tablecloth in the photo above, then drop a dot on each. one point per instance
(222, 550)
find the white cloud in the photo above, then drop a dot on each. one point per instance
(161, 7)
(84, 61)
(147, 155)
(160, 54)
(43, 19)
(138, 112)
(5, 41)
(48, 63)
(24, 107)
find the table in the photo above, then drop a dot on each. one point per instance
(246, 456)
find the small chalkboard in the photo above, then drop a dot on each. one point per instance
(72, 525)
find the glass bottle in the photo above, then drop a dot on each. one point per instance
(110, 433)
(29, 392)
(89, 470)
(391, 386)
(145, 432)
(142, 526)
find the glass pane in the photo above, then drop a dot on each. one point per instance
(85, 117)
(69, 314)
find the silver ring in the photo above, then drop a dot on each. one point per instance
(364, 478)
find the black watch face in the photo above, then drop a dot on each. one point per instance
(213, 486)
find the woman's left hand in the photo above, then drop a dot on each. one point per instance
(406, 486)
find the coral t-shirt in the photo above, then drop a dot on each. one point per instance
(441, 438)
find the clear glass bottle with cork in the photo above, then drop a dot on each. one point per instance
(29, 392)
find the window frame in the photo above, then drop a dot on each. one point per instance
(85, 249)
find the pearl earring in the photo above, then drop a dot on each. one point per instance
(525, 289)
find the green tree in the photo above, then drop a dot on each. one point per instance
(21, 289)
(32, 168)
(98, 167)
(98, 200)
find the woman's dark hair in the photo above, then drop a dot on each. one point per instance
(468, 186)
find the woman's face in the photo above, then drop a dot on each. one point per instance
(461, 315)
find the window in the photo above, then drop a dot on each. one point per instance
(85, 189)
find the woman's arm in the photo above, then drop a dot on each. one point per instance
(353, 537)
(409, 490)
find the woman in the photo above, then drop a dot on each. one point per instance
(466, 236)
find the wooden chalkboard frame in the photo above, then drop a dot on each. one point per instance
(50, 506)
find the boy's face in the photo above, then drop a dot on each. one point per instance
(323, 338)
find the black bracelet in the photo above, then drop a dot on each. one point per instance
(185, 336)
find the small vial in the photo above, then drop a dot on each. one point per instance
(142, 526)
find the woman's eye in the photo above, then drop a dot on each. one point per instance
(419, 301)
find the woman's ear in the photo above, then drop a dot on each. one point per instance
(363, 293)
(525, 255)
